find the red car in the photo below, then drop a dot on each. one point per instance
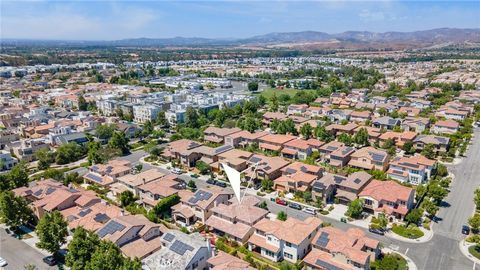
(280, 201)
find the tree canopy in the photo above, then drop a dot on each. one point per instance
(52, 232)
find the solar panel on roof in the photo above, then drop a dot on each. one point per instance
(169, 237)
(357, 181)
(38, 192)
(100, 217)
(290, 170)
(94, 177)
(338, 179)
(303, 169)
(50, 190)
(180, 248)
(267, 168)
(255, 159)
(376, 157)
(84, 212)
(110, 228)
(322, 240)
(326, 265)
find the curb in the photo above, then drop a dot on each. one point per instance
(428, 235)
(463, 246)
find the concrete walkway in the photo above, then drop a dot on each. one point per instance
(464, 245)
(427, 236)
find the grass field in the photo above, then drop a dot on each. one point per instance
(268, 93)
(474, 251)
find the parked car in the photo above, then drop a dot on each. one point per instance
(194, 175)
(465, 230)
(376, 230)
(281, 201)
(343, 219)
(221, 184)
(257, 186)
(50, 260)
(295, 206)
(176, 171)
(212, 181)
(310, 211)
(3, 262)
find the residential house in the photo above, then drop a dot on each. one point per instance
(268, 117)
(386, 122)
(373, 133)
(348, 188)
(297, 109)
(152, 192)
(445, 127)
(131, 182)
(399, 138)
(409, 111)
(198, 206)
(369, 158)
(440, 144)
(236, 220)
(388, 197)
(107, 174)
(415, 170)
(26, 149)
(418, 125)
(179, 251)
(333, 249)
(225, 261)
(175, 149)
(452, 114)
(244, 138)
(297, 149)
(274, 142)
(263, 167)
(360, 116)
(217, 135)
(235, 158)
(7, 162)
(135, 235)
(302, 167)
(289, 240)
(341, 156)
(337, 129)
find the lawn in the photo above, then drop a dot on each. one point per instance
(268, 93)
(475, 251)
(399, 263)
(411, 232)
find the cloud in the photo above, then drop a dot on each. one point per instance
(367, 15)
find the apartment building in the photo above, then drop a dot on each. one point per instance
(289, 240)
(7, 162)
(144, 113)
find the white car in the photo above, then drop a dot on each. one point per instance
(309, 210)
(3, 262)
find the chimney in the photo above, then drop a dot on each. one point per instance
(144, 181)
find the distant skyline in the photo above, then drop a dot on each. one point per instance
(112, 20)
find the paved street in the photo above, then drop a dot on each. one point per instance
(18, 254)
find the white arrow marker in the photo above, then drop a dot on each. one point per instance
(234, 178)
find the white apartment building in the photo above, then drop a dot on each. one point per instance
(6, 160)
(144, 113)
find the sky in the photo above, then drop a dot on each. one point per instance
(117, 19)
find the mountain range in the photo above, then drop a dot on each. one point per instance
(293, 39)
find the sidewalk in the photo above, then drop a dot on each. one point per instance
(428, 235)
(464, 245)
(411, 265)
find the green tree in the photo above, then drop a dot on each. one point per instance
(474, 221)
(164, 206)
(161, 119)
(191, 118)
(68, 152)
(119, 142)
(202, 167)
(436, 192)
(81, 248)
(361, 137)
(345, 138)
(18, 176)
(94, 154)
(429, 151)
(45, 158)
(131, 264)
(82, 103)
(430, 207)
(414, 216)
(252, 86)
(105, 132)
(355, 208)
(14, 211)
(267, 184)
(107, 256)
(282, 216)
(263, 205)
(52, 232)
(127, 198)
(388, 262)
(274, 103)
(191, 184)
(306, 131)
(408, 147)
(442, 170)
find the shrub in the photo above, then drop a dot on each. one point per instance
(324, 212)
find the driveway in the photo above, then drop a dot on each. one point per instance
(18, 254)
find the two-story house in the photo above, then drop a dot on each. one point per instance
(415, 170)
(369, 158)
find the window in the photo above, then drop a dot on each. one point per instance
(269, 253)
(288, 244)
(287, 255)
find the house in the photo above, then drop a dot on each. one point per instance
(302, 167)
(131, 182)
(409, 111)
(388, 197)
(452, 114)
(348, 188)
(323, 189)
(333, 249)
(337, 129)
(135, 235)
(415, 170)
(338, 115)
(274, 142)
(198, 206)
(7, 162)
(440, 144)
(360, 116)
(26, 149)
(263, 167)
(107, 174)
(175, 149)
(399, 138)
(244, 138)
(235, 158)
(236, 220)
(386, 122)
(179, 251)
(298, 181)
(445, 127)
(369, 158)
(268, 117)
(418, 125)
(225, 261)
(297, 109)
(203, 153)
(289, 240)
(152, 192)
(420, 103)
(326, 149)
(297, 149)
(217, 135)
(341, 156)
(314, 112)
